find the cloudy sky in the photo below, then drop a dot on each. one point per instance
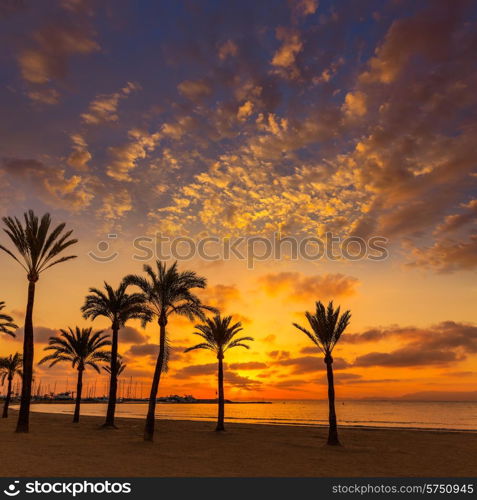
(243, 119)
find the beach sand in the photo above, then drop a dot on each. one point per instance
(56, 447)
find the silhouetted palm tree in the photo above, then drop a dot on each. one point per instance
(167, 292)
(220, 336)
(6, 322)
(9, 367)
(81, 348)
(119, 307)
(327, 327)
(120, 367)
(38, 248)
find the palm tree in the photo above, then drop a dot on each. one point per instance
(37, 249)
(6, 322)
(220, 336)
(327, 327)
(167, 291)
(9, 367)
(120, 367)
(119, 307)
(81, 348)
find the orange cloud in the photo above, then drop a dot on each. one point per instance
(44, 96)
(220, 296)
(48, 58)
(303, 8)
(131, 335)
(231, 378)
(125, 157)
(446, 255)
(50, 184)
(302, 288)
(115, 204)
(104, 107)
(439, 344)
(308, 364)
(250, 365)
(355, 104)
(245, 110)
(80, 156)
(194, 89)
(426, 33)
(285, 57)
(227, 49)
(457, 221)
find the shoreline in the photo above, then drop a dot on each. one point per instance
(252, 421)
(146, 401)
(57, 447)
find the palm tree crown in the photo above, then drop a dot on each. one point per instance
(219, 335)
(10, 366)
(116, 305)
(168, 291)
(80, 347)
(6, 322)
(37, 245)
(327, 326)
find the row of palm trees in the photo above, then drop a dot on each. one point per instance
(82, 348)
(162, 292)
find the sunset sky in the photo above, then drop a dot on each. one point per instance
(245, 119)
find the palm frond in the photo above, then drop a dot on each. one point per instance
(11, 366)
(78, 346)
(219, 334)
(6, 322)
(199, 346)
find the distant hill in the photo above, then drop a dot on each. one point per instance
(440, 396)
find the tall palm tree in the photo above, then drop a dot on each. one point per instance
(120, 367)
(81, 348)
(9, 367)
(219, 335)
(119, 307)
(6, 322)
(167, 292)
(38, 247)
(327, 327)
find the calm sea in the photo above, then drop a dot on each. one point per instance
(417, 415)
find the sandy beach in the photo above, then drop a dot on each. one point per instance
(56, 447)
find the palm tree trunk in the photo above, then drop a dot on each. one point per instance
(113, 383)
(333, 427)
(79, 389)
(151, 412)
(7, 399)
(220, 417)
(28, 352)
